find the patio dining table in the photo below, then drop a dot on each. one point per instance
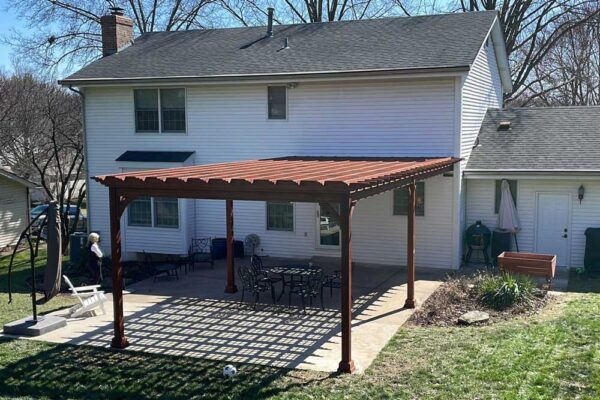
(293, 274)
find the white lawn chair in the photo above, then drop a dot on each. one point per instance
(90, 297)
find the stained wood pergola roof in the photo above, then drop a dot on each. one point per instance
(292, 178)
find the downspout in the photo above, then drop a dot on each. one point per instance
(85, 158)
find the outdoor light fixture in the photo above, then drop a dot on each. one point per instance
(580, 193)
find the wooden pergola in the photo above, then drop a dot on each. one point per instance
(323, 180)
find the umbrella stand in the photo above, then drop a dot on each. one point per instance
(516, 243)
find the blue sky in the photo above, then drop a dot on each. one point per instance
(8, 21)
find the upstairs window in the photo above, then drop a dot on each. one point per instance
(146, 110)
(159, 110)
(277, 99)
(401, 200)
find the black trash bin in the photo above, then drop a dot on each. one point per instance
(591, 260)
(500, 243)
(219, 248)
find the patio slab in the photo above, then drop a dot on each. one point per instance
(194, 317)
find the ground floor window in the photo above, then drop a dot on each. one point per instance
(153, 212)
(401, 200)
(280, 216)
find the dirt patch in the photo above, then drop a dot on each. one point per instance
(456, 297)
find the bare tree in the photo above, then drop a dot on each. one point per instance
(67, 32)
(570, 73)
(253, 12)
(532, 29)
(41, 133)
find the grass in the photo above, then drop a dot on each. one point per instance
(21, 304)
(553, 356)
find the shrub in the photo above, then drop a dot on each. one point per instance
(503, 291)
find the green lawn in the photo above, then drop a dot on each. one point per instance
(553, 356)
(21, 305)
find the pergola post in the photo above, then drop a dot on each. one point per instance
(230, 288)
(346, 208)
(410, 250)
(116, 205)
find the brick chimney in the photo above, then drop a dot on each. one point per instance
(117, 31)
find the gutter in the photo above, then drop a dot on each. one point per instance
(85, 158)
(270, 77)
(531, 173)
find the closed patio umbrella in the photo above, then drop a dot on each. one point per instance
(52, 275)
(508, 218)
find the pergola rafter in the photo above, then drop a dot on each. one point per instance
(324, 180)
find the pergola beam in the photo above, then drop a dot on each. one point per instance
(410, 247)
(230, 288)
(117, 205)
(345, 220)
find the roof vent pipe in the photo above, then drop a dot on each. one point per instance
(270, 12)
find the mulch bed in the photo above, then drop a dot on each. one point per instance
(456, 297)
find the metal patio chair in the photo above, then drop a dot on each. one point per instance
(158, 268)
(308, 289)
(254, 284)
(200, 252)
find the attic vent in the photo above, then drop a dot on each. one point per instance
(504, 126)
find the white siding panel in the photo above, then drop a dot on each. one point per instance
(482, 89)
(13, 211)
(225, 123)
(480, 206)
(377, 236)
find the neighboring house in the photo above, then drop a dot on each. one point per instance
(400, 87)
(14, 206)
(551, 157)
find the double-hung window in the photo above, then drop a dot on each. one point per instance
(157, 212)
(280, 216)
(159, 110)
(401, 200)
(277, 102)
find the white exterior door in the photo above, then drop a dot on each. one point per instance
(554, 225)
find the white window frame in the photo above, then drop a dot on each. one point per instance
(280, 230)
(402, 215)
(160, 130)
(287, 102)
(153, 218)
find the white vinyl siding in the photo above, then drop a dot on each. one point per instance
(482, 89)
(378, 236)
(409, 118)
(480, 206)
(14, 211)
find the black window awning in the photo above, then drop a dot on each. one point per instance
(155, 156)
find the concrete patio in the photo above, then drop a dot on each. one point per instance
(193, 317)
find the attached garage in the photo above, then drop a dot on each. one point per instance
(550, 158)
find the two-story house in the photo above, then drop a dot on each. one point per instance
(397, 87)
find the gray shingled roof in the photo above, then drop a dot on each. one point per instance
(405, 43)
(549, 138)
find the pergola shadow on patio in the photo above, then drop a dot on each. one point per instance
(327, 181)
(193, 317)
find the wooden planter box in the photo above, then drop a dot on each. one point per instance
(528, 264)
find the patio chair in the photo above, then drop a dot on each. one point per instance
(309, 289)
(257, 266)
(254, 284)
(200, 251)
(333, 281)
(90, 298)
(157, 268)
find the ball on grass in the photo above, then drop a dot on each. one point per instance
(229, 371)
